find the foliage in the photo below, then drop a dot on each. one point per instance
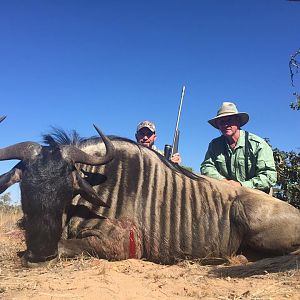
(296, 104)
(9, 213)
(6, 203)
(294, 66)
(188, 168)
(288, 176)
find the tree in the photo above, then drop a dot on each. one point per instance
(294, 66)
(5, 203)
(288, 176)
(5, 200)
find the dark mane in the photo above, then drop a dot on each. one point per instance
(61, 137)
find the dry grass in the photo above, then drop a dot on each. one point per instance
(9, 218)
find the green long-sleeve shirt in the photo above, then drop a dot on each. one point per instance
(261, 165)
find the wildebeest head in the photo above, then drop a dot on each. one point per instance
(48, 182)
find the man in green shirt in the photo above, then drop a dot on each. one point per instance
(238, 157)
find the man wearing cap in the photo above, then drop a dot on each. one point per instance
(238, 157)
(146, 135)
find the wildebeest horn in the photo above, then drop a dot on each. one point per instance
(2, 118)
(86, 191)
(10, 178)
(79, 156)
(21, 151)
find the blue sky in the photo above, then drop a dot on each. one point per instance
(114, 63)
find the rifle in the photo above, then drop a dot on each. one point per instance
(170, 150)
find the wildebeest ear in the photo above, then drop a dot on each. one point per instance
(83, 188)
(93, 178)
(10, 178)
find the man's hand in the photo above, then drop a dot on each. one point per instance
(231, 182)
(176, 158)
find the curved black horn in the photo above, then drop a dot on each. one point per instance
(2, 118)
(10, 178)
(21, 151)
(79, 156)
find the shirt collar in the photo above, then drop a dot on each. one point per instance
(240, 143)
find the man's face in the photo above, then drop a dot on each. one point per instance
(228, 125)
(145, 137)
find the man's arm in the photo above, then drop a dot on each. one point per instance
(176, 158)
(208, 166)
(265, 171)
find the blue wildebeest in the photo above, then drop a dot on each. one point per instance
(123, 200)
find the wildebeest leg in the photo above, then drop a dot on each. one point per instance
(112, 240)
(75, 247)
(270, 225)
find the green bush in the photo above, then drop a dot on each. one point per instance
(288, 176)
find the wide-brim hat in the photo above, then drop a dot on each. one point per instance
(229, 109)
(2, 118)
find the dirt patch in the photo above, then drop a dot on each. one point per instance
(90, 278)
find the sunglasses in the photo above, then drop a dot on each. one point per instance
(227, 121)
(145, 132)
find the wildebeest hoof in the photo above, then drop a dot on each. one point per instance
(27, 264)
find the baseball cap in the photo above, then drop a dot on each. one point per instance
(146, 124)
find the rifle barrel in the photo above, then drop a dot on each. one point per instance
(178, 118)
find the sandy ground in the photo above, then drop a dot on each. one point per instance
(91, 278)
